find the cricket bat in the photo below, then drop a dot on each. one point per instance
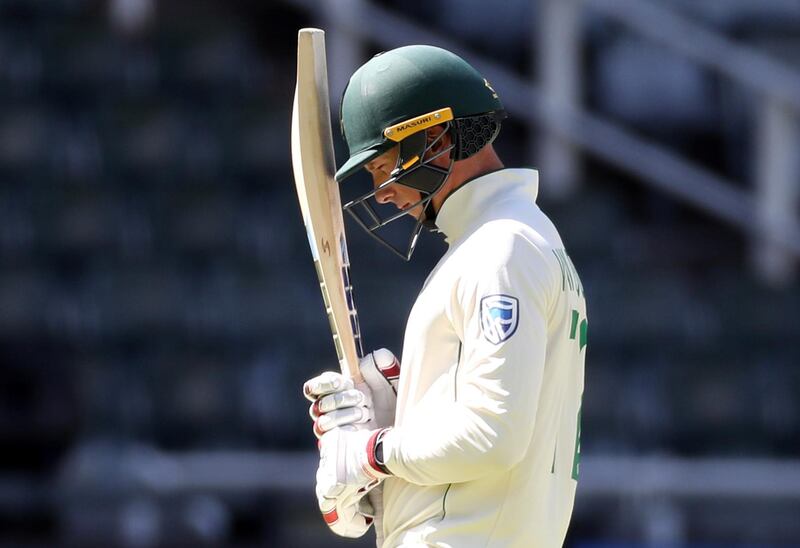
(318, 193)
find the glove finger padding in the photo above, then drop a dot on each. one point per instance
(339, 400)
(326, 383)
(354, 416)
(351, 406)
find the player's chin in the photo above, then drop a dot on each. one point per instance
(416, 212)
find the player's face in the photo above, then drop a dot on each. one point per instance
(401, 196)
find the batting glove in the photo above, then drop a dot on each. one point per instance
(347, 464)
(338, 401)
(348, 515)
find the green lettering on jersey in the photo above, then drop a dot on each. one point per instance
(574, 328)
(581, 333)
(569, 276)
(576, 459)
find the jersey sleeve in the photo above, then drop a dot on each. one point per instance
(499, 310)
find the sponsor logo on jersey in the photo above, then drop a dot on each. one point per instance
(499, 317)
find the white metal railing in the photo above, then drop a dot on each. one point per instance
(682, 35)
(164, 472)
(766, 214)
(777, 172)
(658, 494)
(169, 472)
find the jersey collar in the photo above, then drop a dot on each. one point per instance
(474, 202)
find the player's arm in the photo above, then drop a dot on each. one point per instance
(488, 424)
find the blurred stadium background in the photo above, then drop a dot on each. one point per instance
(159, 311)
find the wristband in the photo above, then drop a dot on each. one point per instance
(375, 449)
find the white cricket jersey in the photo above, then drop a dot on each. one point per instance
(486, 446)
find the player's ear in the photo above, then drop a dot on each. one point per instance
(432, 136)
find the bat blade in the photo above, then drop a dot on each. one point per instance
(318, 194)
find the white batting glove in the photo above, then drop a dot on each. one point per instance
(338, 401)
(381, 372)
(347, 464)
(348, 515)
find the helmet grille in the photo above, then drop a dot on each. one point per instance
(475, 132)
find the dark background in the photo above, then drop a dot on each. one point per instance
(159, 310)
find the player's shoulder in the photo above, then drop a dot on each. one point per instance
(505, 244)
(521, 227)
(505, 257)
(510, 229)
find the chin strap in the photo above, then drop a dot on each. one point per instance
(429, 222)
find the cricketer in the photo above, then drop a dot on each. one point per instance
(472, 439)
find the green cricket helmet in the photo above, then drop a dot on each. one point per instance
(393, 100)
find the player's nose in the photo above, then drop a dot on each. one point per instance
(384, 196)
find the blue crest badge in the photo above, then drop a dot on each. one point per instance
(499, 317)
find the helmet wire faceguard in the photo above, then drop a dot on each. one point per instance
(414, 169)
